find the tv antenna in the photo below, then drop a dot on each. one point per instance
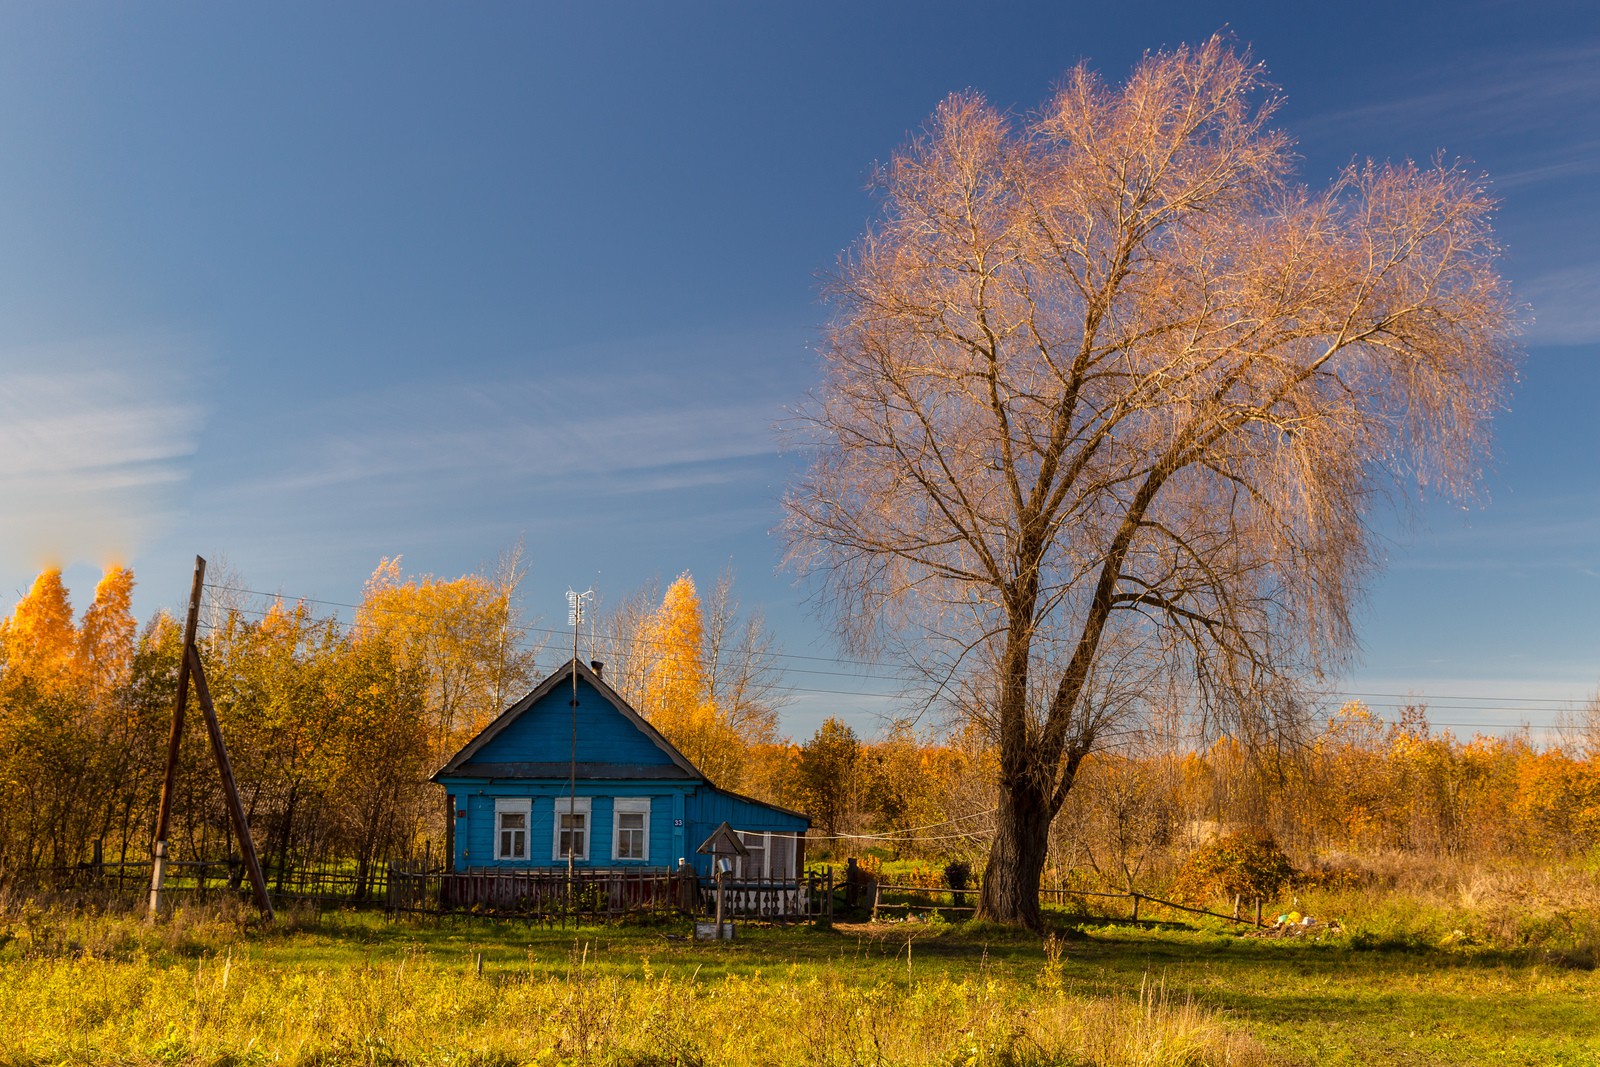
(575, 603)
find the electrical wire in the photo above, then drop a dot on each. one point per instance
(1517, 705)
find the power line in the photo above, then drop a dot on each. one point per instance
(533, 629)
(887, 674)
(1512, 705)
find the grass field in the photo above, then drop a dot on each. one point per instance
(352, 988)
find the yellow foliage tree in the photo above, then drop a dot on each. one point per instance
(676, 697)
(39, 638)
(105, 639)
(462, 634)
(675, 680)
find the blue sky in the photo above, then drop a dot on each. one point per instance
(302, 286)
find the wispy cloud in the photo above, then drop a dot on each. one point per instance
(652, 445)
(1498, 94)
(647, 434)
(94, 439)
(1566, 306)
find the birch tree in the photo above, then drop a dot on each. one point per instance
(1107, 400)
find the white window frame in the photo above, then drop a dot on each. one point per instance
(745, 873)
(768, 841)
(629, 806)
(580, 806)
(504, 806)
(777, 839)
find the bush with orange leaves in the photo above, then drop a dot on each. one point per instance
(1247, 864)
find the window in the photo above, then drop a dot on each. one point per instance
(753, 866)
(771, 856)
(511, 827)
(571, 828)
(780, 857)
(630, 829)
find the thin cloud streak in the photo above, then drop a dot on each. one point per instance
(1566, 306)
(94, 445)
(462, 440)
(1502, 94)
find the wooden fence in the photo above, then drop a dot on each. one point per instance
(928, 900)
(416, 886)
(129, 883)
(548, 895)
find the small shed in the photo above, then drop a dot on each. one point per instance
(553, 775)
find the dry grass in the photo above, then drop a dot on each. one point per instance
(104, 990)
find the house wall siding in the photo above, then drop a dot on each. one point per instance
(710, 807)
(475, 834)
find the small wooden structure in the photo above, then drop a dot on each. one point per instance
(723, 846)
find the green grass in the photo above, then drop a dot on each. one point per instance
(353, 988)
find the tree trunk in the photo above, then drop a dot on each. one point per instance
(1010, 892)
(285, 834)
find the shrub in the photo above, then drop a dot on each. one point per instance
(957, 874)
(1248, 864)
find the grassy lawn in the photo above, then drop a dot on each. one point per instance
(354, 988)
(1333, 1003)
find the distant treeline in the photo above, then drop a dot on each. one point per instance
(334, 726)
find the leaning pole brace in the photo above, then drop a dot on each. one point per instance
(230, 788)
(158, 865)
(189, 664)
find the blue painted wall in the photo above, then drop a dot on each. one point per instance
(682, 815)
(475, 833)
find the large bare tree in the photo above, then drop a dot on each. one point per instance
(1107, 399)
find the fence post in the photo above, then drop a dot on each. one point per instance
(1135, 906)
(1258, 911)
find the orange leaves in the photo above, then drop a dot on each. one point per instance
(39, 637)
(41, 644)
(676, 691)
(675, 679)
(105, 641)
(463, 635)
(1560, 797)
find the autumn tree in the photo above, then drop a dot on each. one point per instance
(39, 638)
(827, 774)
(676, 694)
(106, 636)
(1107, 398)
(901, 785)
(710, 684)
(377, 754)
(69, 753)
(464, 635)
(675, 689)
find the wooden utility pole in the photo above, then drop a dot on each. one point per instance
(158, 865)
(189, 666)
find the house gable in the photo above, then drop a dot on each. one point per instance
(534, 738)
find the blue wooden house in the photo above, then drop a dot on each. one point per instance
(553, 774)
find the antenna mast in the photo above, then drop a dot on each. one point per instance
(574, 620)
